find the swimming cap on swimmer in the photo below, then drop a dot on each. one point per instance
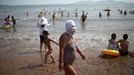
(70, 26)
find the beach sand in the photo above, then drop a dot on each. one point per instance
(27, 61)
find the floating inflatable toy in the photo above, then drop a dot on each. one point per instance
(6, 27)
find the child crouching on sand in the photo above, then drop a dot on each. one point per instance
(48, 45)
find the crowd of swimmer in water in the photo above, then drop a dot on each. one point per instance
(10, 20)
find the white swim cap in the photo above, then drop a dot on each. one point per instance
(70, 26)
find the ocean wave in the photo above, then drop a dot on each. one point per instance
(22, 36)
(92, 41)
(83, 40)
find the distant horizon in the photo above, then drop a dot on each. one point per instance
(60, 3)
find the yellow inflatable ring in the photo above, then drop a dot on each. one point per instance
(110, 52)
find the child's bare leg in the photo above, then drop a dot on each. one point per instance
(52, 57)
(46, 56)
(45, 46)
(41, 46)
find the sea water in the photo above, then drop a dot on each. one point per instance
(93, 34)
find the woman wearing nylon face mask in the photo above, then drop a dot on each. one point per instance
(68, 49)
(70, 27)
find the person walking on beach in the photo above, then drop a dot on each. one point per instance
(123, 45)
(67, 49)
(112, 42)
(14, 23)
(43, 25)
(48, 41)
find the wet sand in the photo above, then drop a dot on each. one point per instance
(26, 60)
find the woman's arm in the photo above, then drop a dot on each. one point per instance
(62, 43)
(81, 54)
(78, 50)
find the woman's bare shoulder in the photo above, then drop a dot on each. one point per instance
(63, 36)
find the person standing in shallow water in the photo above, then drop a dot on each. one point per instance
(53, 18)
(100, 14)
(43, 25)
(14, 23)
(67, 49)
(83, 17)
(108, 14)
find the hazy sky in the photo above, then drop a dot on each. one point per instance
(25, 2)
